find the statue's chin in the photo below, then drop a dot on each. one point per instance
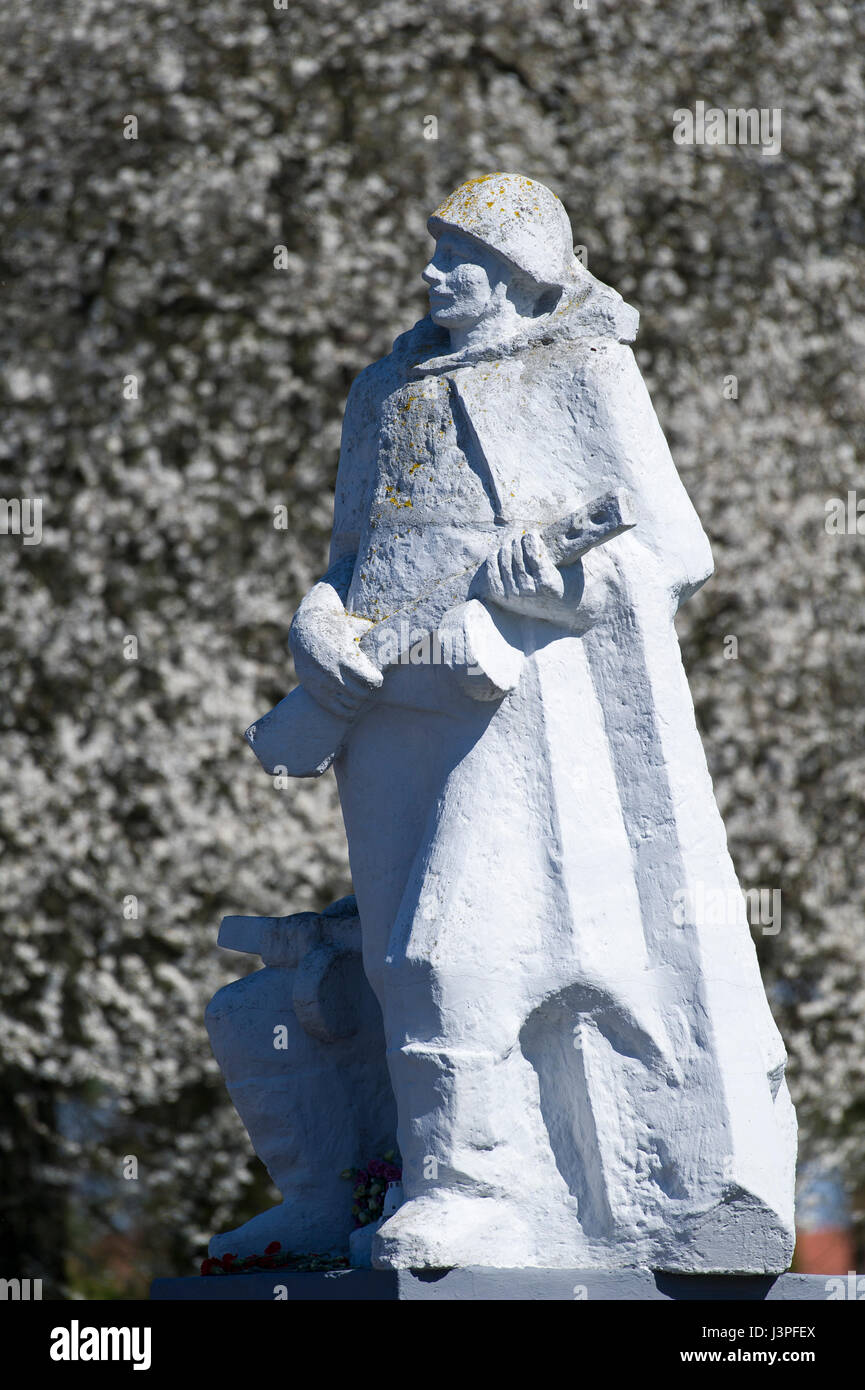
(449, 316)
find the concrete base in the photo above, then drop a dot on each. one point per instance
(496, 1285)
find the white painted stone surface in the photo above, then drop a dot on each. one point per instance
(301, 1047)
(585, 1068)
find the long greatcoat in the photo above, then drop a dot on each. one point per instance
(569, 1031)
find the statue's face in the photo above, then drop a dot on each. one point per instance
(463, 279)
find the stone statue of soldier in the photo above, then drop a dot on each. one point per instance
(585, 1068)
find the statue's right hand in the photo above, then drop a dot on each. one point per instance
(325, 642)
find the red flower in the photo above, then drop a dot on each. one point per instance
(207, 1265)
(273, 1248)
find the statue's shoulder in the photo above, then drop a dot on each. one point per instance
(363, 417)
(381, 378)
(586, 338)
(598, 365)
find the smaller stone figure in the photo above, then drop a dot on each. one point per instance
(301, 1046)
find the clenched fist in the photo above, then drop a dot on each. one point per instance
(330, 665)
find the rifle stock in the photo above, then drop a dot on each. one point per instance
(301, 739)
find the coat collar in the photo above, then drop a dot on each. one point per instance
(586, 309)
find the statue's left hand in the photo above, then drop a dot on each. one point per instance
(520, 570)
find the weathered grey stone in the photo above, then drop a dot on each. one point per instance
(584, 1064)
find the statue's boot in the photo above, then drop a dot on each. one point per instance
(481, 1183)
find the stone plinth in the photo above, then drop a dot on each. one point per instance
(496, 1285)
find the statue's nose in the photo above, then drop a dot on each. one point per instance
(430, 275)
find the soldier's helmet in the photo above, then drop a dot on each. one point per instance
(520, 219)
